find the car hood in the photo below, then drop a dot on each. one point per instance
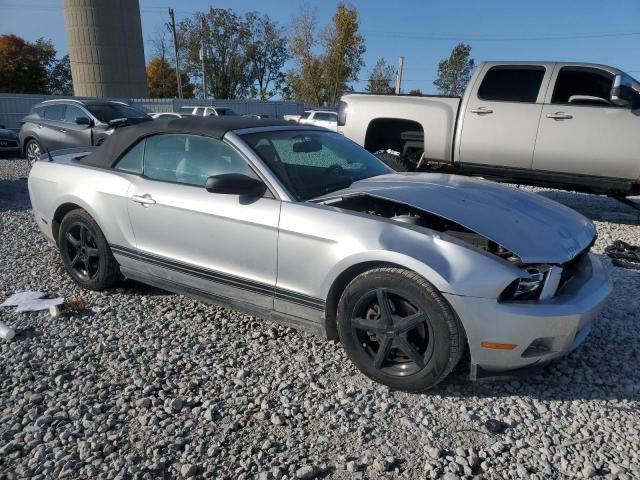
(536, 229)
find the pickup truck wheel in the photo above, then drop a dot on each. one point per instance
(399, 330)
(85, 252)
(397, 162)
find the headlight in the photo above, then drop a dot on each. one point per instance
(527, 287)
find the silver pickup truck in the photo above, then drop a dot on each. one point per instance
(565, 125)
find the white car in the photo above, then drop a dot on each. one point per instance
(209, 111)
(320, 118)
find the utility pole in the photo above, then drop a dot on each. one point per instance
(203, 51)
(399, 74)
(172, 25)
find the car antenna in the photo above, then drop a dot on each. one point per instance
(49, 155)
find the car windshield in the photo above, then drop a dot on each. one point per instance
(105, 112)
(314, 163)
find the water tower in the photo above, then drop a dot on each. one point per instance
(105, 48)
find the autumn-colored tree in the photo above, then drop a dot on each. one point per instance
(161, 80)
(320, 78)
(454, 72)
(416, 92)
(381, 78)
(24, 66)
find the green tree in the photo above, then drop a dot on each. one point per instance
(320, 78)
(381, 78)
(454, 73)
(267, 51)
(60, 82)
(227, 65)
(25, 66)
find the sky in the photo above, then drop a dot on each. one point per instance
(424, 32)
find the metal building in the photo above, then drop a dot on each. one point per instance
(106, 48)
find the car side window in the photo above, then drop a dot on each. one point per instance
(72, 113)
(190, 159)
(131, 161)
(55, 112)
(583, 86)
(512, 84)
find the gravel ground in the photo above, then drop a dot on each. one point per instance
(157, 385)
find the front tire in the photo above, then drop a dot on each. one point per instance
(32, 151)
(85, 252)
(399, 330)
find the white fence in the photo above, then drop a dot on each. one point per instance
(14, 106)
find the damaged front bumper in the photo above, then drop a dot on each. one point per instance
(540, 330)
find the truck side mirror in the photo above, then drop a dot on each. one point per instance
(619, 94)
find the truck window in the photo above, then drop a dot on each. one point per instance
(576, 84)
(512, 84)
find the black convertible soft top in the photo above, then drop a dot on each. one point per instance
(124, 137)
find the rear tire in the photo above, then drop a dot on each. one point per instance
(396, 162)
(414, 351)
(85, 252)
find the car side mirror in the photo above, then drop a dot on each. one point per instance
(83, 121)
(620, 96)
(235, 184)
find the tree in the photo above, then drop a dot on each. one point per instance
(344, 48)
(25, 66)
(416, 92)
(305, 80)
(455, 72)
(161, 80)
(320, 78)
(227, 65)
(60, 82)
(381, 78)
(267, 51)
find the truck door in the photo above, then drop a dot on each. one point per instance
(582, 132)
(501, 116)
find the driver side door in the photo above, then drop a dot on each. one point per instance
(224, 246)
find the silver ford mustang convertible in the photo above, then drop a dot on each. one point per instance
(300, 225)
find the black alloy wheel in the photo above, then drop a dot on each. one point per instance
(85, 252)
(398, 329)
(393, 333)
(81, 251)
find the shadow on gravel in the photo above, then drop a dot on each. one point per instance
(14, 195)
(596, 207)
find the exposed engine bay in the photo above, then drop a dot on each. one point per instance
(400, 212)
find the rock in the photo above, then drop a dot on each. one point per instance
(277, 419)
(306, 473)
(188, 470)
(176, 404)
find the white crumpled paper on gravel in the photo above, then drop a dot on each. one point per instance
(31, 301)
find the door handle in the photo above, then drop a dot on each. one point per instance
(559, 116)
(145, 200)
(63, 130)
(39, 126)
(481, 110)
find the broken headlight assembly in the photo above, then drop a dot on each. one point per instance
(537, 283)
